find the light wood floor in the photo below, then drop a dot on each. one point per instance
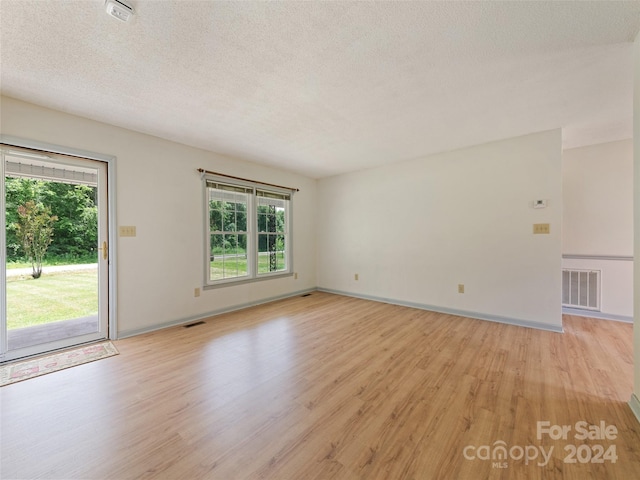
(327, 387)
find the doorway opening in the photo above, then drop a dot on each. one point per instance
(55, 282)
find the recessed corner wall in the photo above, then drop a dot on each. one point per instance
(636, 202)
(413, 231)
(597, 232)
(160, 192)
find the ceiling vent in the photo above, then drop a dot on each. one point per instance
(119, 9)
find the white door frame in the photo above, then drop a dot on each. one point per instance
(110, 161)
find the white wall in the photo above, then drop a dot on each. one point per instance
(636, 183)
(597, 183)
(160, 192)
(415, 230)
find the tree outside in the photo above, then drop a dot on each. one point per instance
(75, 233)
(35, 230)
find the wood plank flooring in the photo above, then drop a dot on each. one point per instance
(330, 387)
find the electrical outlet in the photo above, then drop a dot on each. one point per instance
(356, 277)
(127, 231)
(295, 276)
(196, 292)
(541, 228)
(460, 288)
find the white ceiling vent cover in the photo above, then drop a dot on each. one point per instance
(119, 9)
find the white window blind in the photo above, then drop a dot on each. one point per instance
(23, 166)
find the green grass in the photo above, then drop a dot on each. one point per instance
(51, 298)
(63, 296)
(52, 261)
(237, 266)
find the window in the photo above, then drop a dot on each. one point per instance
(272, 233)
(248, 228)
(228, 234)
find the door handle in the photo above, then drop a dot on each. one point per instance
(104, 249)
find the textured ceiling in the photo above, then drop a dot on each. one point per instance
(323, 88)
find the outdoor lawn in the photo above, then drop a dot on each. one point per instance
(64, 296)
(50, 298)
(67, 295)
(237, 265)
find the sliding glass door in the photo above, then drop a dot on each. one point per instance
(54, 255)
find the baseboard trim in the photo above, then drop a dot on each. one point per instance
(202, 316)
(450, 311)
(572, 256)
(600, 315)
(420, 306)
(634, 404)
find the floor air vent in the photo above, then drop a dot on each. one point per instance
(581, 289)
(194, 324)
(305, 295)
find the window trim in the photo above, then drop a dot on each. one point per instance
(252, 231)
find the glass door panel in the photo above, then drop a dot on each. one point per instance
(55, 255)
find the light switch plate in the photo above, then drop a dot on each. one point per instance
(541, 228)
(127, 231)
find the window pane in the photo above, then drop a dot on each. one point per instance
(280, 256)
(242, 245)
(229, 244)
(216, 243)
(228, 257)
(230, 267)
(225, 217)
(280, 220)
(229, 207)
(271, 235)
(215, 220)
(271, 218)
(271, 253)
(262, 243)
(230, 221)
(235, 259)
(262, 219)
(224, 208)
(215, 257)
(241, 219)
(236, 217)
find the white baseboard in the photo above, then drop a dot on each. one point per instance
(601, 315)
(183, 321)
(634, 403)
(420, 306)
(451, 311)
